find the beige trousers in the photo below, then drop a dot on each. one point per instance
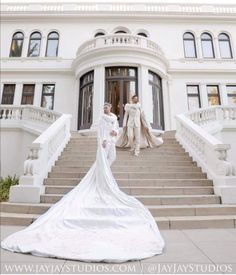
(134, 138)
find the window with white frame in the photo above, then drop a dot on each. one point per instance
(189, 45)
(34, 44)
(16, 44)
(213, 95)
(225, 46)
(28, 94)
(194, 101)
(207, 45)
(47, 100)
(231, 94)
(8, 93)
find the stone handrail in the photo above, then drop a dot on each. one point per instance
(27, 113)
(216, 113)
(44, 150)
(119, 40)
(210, 153)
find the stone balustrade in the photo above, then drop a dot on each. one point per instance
(44, 150)
(119, 40)
(210, 153)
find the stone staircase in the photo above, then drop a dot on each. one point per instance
(165, 179)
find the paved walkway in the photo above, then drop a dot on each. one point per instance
(187, 251)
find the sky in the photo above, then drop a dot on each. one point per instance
(125, 1)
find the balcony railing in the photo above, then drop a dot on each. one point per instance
(125, 41)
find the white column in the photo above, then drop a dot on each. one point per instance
(25, 46)
(216, 48)
(199, 47)
(166, 104)
(1, 92)
(37, 94)
(98, 94)
(18, 94)
(143, 88)
(43, 46)
(203, 95)
(223, 94)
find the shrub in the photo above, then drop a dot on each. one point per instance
(5, 184)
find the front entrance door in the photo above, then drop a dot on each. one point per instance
(85, 115)
(121, 85)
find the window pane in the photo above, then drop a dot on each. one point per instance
(8, 93)
(155, 102)
(34, 48)
(193, 97)
(189, 48)
(16, 45)
(206, 36)
(232, 100)
(225, 49)
(213, 95)
(52, 47)
(207, 49)
(47, 100)
(16, 48)
(192, 89)
(53, 35)
(231, 91)
(28, 94)
(213, 100)
(193, 103)
(188, 35)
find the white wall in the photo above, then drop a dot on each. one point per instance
(167, 33)
(14, 150)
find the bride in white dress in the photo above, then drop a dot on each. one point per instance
(95, 221)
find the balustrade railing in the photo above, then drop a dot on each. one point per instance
(44, 150)
(210, 153)
(119, 40)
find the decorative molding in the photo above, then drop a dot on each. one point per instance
(101, 8)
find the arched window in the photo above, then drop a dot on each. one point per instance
(17, 44)
(207, 45)
(142, 34)
(189, 45)
(52, 44)
(34, 44)
(120, 32)
(225, 46)
(99, 34)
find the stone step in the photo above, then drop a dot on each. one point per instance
(127, 153)
(142, 190)
(93, 147)
(196, 222)
(154, 199)
(129, 157)
(136, 175)
(156, 210)
(191, 222)
(137, 182)
(135, 162)
(59, 168)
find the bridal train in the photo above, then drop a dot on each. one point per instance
(95, 221)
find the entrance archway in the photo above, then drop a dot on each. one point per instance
(121, 85)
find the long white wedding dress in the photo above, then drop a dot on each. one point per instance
(94, 222)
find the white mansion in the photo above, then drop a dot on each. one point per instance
(61, 60)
